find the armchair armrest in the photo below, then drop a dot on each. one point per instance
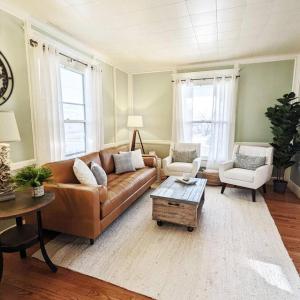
(262, 175)
(166, 161)
(225, 166)
(196, 166)
(150, 160)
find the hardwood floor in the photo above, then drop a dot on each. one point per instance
(31, 279)
(285, 210)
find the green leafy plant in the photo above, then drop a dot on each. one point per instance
(284, 118)
(32, 177)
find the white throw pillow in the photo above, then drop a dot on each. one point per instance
(83, 173)
(137, 159)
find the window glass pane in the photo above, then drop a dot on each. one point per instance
(202, 102)
(202, 134)
(71, 86)
(73, 112)
(74, 138)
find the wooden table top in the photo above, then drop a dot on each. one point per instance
(23, 204)
(180, 192)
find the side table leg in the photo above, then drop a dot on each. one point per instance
(19, 222)
(1, 265)
(48, 261)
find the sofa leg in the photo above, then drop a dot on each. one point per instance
(253, 195)
(223, 187)
(264, 188)
(92, 242)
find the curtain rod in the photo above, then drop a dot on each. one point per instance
(207, 78)
(34, 43)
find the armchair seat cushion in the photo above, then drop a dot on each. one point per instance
(122, 186)
(180, 167)
(240, 174)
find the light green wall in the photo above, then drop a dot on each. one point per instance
(259, 87)
(121, 106)
(108, 103)
(152, 98)
(12, 45)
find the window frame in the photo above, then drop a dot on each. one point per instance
(83, 104)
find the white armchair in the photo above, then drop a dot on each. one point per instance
(178, 168)
(248, 178)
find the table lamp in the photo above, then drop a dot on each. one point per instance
(135, 122)
(8, 133)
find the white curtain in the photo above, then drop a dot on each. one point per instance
(94, 109)
(221, 117)
(46, 111)
(223, 122)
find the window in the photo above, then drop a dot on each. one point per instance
(73, 107)
(199, 106)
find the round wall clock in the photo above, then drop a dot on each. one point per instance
(6, 79)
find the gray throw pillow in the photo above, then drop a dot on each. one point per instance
(249, 162)
(184, 156)
(99, 174)
(123, 162)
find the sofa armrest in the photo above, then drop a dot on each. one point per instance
(225, 166)
(150, 161)
(78, 199)
(75, 209)
(196, 166)
(166, 161)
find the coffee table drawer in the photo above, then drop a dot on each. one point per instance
(174, 212)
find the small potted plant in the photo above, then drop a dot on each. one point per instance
(33, 177)
(284, 118)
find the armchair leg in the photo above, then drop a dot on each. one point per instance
(223, 187)
(253, 195)
(264, 188)
(92, 242)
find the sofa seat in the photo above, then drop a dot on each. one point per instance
(121, 187)
(180, 167)
(240, 174)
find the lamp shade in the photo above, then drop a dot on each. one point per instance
(135, 121)
(8, 127)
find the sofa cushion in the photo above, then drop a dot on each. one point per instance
(240, 174)
(99, 174)
(180, 167)
(120, 187)
(123, 162)
(83, 173)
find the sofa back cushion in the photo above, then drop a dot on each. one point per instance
(63, 170)
(107, 160)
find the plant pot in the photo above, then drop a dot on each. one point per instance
(279, 186)
(38, 191)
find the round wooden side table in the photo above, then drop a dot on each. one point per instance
(212, 177)
(23, 236)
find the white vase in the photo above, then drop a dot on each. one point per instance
(38, 191)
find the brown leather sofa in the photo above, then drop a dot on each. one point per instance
(86, 211)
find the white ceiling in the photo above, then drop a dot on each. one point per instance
(149, 35)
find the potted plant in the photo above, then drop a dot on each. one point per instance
(284, 118)
(33, 177)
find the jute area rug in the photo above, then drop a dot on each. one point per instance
(235, 253)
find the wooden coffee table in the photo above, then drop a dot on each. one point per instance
(178, 203)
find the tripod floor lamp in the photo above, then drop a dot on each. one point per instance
(135, 122)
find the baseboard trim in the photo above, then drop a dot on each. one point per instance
(294, 188)
(22, 164)
(161, 142)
